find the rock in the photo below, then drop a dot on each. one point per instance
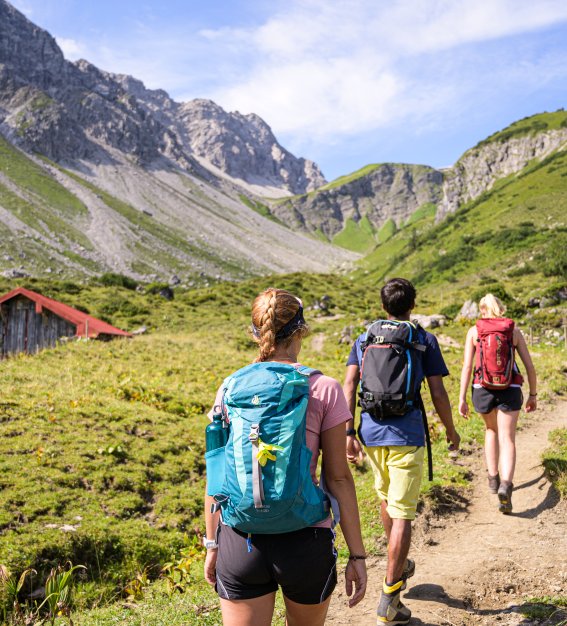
(346, 335)
(548, 301)
(167, 293)
(15, 273)
(174, 280)
(7, 257)
(429, 321)
(469, 311)
(324, 304)
(140, 331)
(533, 302)
(68, 528)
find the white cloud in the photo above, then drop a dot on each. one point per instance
(341, 68)
(71, 48)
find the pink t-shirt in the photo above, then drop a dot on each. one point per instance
(327, 408)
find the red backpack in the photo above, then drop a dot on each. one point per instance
(495, 354)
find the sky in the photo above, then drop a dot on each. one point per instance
(344, 83)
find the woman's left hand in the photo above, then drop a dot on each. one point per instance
(355, 573)
(211, 566)
(531, 404)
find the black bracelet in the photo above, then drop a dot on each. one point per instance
(533, 395)
(351, 432)
(356, 557)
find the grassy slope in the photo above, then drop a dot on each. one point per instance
(356, 236)
(529, 126)
(44, 205)
(511, 235)
(113, 433)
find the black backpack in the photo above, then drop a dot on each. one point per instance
(388, 386)
(389, 354)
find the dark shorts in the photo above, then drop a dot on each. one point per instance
(302, 562)
(485, 400)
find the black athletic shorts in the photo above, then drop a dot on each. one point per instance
(302, 562)
(485, 400)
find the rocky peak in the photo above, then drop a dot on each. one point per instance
(479, 168)
(244, 147)
(28, 54)
(73, 111)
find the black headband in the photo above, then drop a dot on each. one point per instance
(289, 328)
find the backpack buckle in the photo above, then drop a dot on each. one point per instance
(254, 433)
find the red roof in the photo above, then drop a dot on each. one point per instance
(81, 320)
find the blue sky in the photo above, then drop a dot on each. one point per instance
(343, 82)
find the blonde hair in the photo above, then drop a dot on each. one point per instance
(491, 306)
(271, 311)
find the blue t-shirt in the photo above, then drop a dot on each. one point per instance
(408, 429)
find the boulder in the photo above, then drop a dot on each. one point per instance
(469, 311)
(429, 321)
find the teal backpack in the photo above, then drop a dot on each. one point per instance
(261, 480)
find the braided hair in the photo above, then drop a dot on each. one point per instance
(271, 311)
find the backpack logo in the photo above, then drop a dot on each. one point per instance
(256, 400)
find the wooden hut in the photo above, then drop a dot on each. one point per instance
(30, 322)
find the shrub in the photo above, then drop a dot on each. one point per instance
(451, 310)
(111, 279)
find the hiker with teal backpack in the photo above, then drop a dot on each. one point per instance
(390, 361)
(268, 515)
(490, 347)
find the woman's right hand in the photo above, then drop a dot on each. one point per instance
(355, 573)
(464, 409)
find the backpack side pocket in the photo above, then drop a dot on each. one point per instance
(216, 470)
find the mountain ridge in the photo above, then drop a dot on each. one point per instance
(150, 206)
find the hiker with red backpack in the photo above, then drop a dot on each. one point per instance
(268, 515)
(497, 391)
(390, 361)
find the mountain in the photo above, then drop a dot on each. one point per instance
(509, 239)
(99, 173)
(360, 210)
(363, 202)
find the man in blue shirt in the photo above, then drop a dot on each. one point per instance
(395, 448)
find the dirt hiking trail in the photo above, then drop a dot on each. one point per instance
(477, 566)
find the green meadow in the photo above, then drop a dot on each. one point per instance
(102, 443)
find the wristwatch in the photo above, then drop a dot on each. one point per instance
(210, 544)
(351, 432)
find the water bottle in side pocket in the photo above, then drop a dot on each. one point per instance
(216, 436)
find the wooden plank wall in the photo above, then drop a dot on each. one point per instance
(24, 330)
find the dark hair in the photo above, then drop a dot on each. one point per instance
(398, 296)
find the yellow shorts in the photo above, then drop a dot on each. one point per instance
(397, 477)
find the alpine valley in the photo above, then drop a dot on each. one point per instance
(99, 174)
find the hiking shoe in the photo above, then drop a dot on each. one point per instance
(409, 571)
(390, 609)
(493, 483)
(505, 497)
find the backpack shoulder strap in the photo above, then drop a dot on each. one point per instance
(308, 371)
